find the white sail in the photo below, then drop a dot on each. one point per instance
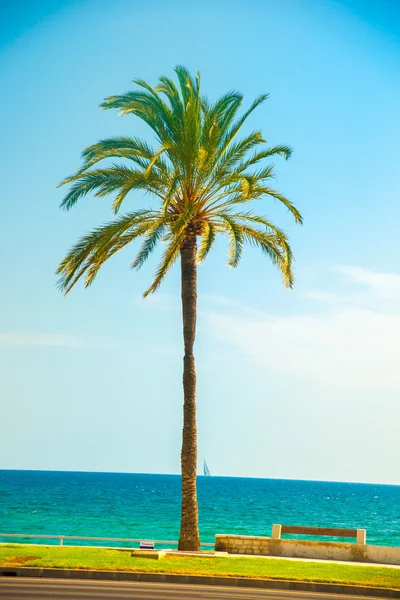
(206, 470)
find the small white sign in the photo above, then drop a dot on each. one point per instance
(146, 545)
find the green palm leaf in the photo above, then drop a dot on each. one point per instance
(207, 241)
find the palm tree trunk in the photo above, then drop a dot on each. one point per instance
(189, 536)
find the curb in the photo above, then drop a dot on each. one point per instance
(271, 584)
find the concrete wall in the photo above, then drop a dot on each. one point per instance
(241, 544)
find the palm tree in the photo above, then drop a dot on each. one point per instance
(202, 177)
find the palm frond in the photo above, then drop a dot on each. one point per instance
(168, 259)
(93, 249)
(113, 146)
(276, 248)
(189, 86)
(147, 106)
(167, 87)
(109, 180)
(237, 151)
(282, 150)
(152, 237)
(235, 235)
(289, 205)
(234, 130)
(259, 220)
(207, 241)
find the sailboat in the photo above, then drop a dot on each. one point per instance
(206, 470)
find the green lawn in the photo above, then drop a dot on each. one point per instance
(116, 560)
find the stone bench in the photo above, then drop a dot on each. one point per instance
(311, 549)
(359, 534)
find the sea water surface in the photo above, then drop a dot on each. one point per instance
(148, 506)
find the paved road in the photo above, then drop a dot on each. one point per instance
(62, 589)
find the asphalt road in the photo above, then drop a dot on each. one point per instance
(30, 588)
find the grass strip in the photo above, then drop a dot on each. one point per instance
(258, 568)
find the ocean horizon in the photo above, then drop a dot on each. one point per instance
(147, 506)
(199, 474)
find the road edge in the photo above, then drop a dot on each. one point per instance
(272, 584)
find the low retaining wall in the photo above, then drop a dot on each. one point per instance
(265, 546)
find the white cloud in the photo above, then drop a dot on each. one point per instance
(220, 300)
(80, 342)
(384, 285)
(325, 297)
(160, 300)
(59, 340)
(345, 345)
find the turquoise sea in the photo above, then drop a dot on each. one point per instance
(148, 506)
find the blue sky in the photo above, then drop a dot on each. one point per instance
(300, 384)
